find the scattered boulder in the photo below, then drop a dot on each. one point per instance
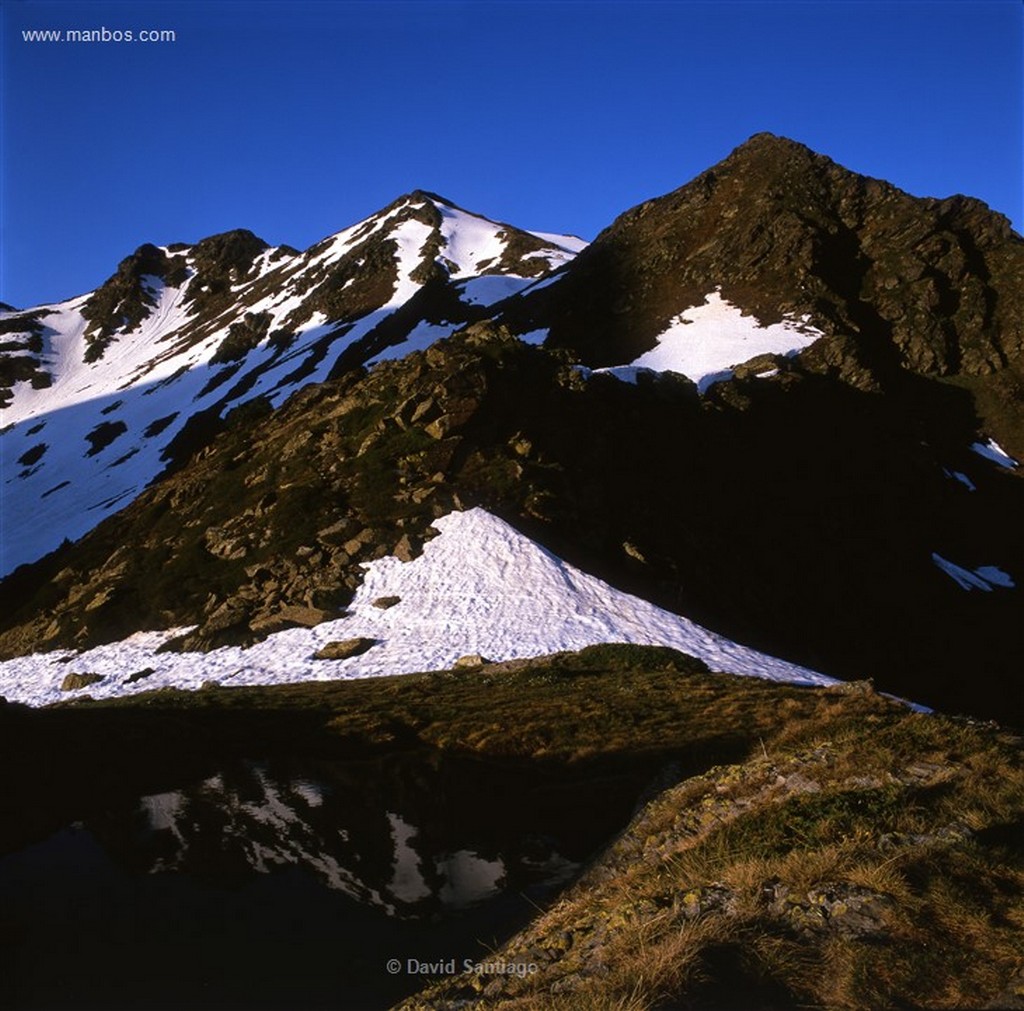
(405, 550)
(470, 660)
(337, 533)
(758, 366)
(385, 602)
(342, 649)
(290, 616)
(73, 682)
(139, 675)
(225, 546)
(356, 544)
(704, 900)
(307, 617)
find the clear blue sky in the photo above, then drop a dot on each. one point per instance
(295, 119)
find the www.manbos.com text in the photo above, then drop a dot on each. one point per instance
(101, 34)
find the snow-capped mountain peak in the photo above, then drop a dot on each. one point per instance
(102, 391)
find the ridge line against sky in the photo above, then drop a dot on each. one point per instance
(297, 119)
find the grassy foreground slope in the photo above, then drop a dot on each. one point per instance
(859, 855)
(796, 846)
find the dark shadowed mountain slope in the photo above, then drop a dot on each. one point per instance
(803, 517)
(899, 282)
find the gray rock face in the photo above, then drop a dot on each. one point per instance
(840, 908)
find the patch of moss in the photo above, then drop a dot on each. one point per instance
(812, 820)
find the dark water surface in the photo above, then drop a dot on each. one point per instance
(283, 884)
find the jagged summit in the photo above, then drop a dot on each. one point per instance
(769, 150)
(419, 196)
(782, 232)
(766, 145)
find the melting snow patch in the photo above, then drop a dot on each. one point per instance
(535, 336)
(985, 577)
(545, 283)
(479, 587)
(991, 450)
(470, 242)
(418, 339)
(706, 342)
(492, 288)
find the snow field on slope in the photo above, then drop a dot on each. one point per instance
(76, 381)
(706, 342)
(469, 241)
(419, 338)
(341, 242)
(492, 288)
(570, 243)
(71, 488)
(478, 587)
(410, 237)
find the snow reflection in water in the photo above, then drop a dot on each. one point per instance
(406, 854)
(277, 884)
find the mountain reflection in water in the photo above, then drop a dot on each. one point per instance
(291, 884)
(412, 855)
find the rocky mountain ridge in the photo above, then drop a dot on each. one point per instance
(104, 392)
(840, 506)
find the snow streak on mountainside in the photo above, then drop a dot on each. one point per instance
(480, 587)
(103, 391)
